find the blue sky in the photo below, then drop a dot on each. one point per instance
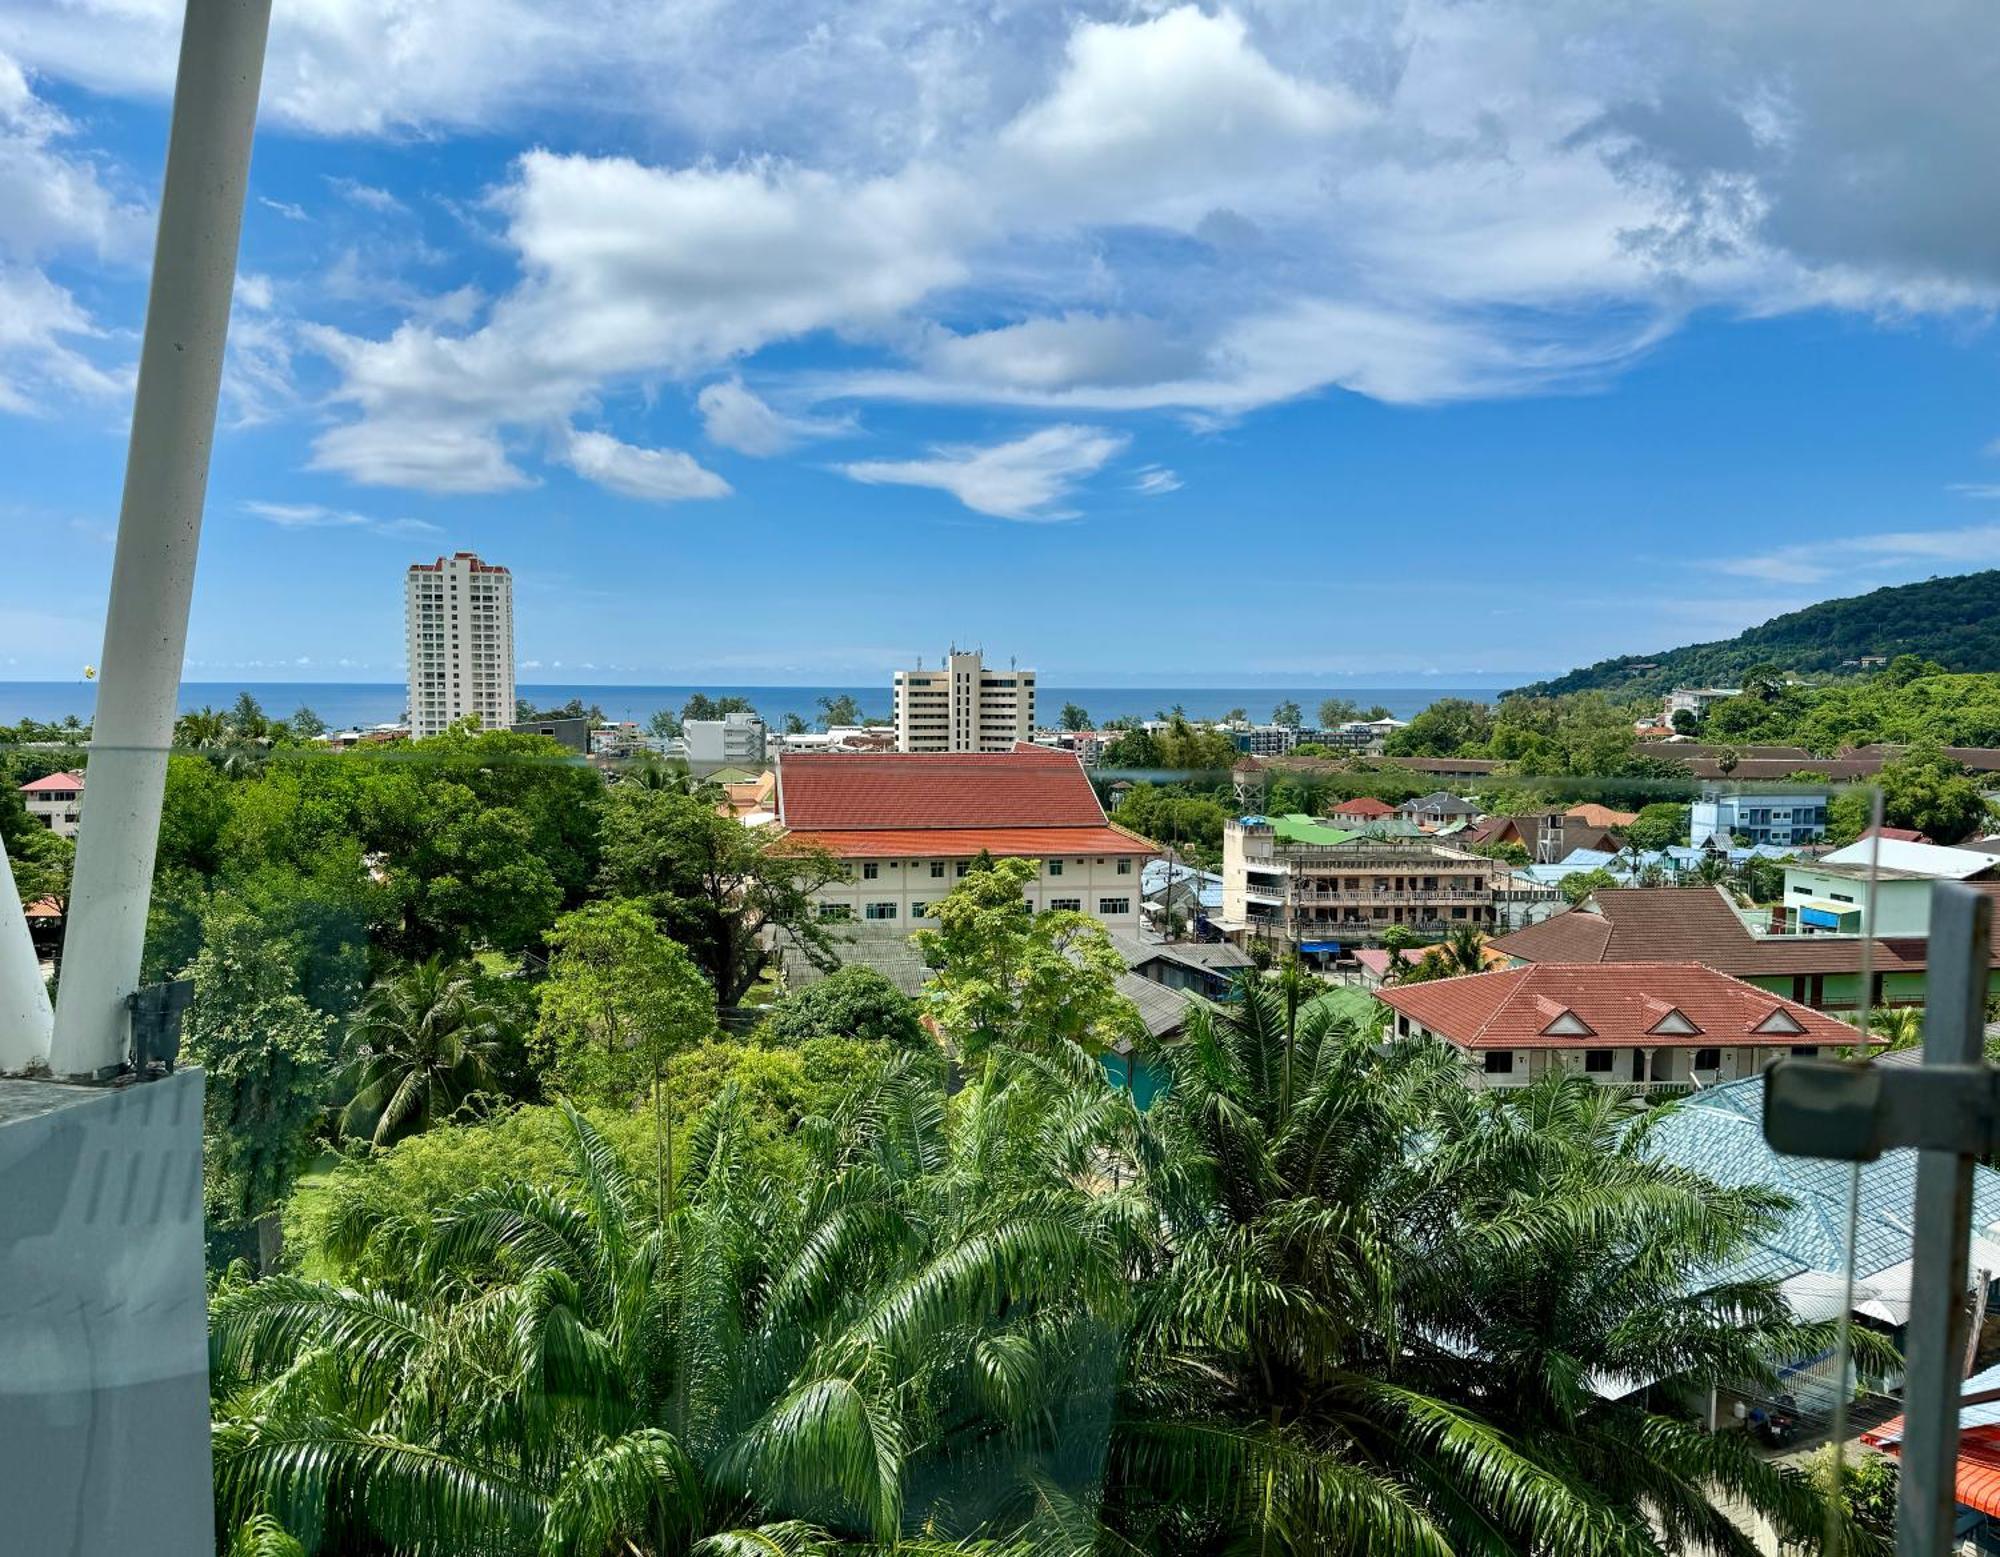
(768, 342)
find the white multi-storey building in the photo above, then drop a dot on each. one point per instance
(908, 827)
(733, 741)
(963, 706)
(55, 801)
(460, 615)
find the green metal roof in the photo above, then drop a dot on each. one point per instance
(1304, 829)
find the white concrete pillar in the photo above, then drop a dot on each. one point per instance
(25, 1017)
(159, 524)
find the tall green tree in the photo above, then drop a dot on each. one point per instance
(854, 1002)
(1003, 974)
(717, 887)
(1288, 714)
(1074, 717)
(841, 709)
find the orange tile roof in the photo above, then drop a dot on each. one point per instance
(1364, 805)
(1029, 787)
(1602, 816)
(1978, 1477)
(954, 843)
(1621, 1003)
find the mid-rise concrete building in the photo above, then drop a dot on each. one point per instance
(733, 741)
(56, 801)
(1316, 887)
(1796, 816)
(964, 706)
(460, 625)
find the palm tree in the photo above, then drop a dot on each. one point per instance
(426, 1041)
(1395, 1315)
(910, 1336)
(1902, 1026)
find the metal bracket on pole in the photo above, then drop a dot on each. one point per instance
(1948, 1111)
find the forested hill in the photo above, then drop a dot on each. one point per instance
(1954, 621)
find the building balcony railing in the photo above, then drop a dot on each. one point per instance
(1366, 896)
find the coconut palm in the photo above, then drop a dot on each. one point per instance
(1398, 1315)
(1901, 1026)
(907, 1339)
(424, 1042)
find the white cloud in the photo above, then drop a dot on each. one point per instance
(1156, 481)
(655, 475)
(316, 516)
(1901, 552)
(1979, 489)
(368, 196)
(1023, 479)
(53, 203)
(737, 418)
(290, 211)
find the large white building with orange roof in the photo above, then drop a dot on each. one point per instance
(908, 825)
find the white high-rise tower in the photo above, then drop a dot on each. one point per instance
(963, 706)
(460, 615)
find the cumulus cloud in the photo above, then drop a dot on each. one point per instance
(737, 418)
(654, 475)
(1024, 479)
(53, 203)
(316, 516)
(1104, 209)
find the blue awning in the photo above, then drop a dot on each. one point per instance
(1330, 948)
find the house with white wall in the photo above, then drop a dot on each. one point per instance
(56, 801)
(1647, 1025)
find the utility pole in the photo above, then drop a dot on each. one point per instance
(159, 526)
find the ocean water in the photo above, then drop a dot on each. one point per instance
(345, 704)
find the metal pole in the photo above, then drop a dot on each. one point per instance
(25, 1017)
(1961, 948)
(159, 524)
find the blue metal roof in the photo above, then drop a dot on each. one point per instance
(1719, 1132)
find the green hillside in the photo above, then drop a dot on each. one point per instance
(1954, 621)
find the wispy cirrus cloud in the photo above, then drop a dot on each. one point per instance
(1156, 481)
(1901, 551)
(1027, 478)
(316, 516)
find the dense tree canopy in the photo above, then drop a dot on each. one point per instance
(852, 1002)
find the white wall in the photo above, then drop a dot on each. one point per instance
(908, 882)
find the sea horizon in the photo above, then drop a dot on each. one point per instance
(344, 705)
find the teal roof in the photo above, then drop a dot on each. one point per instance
(1304, 829)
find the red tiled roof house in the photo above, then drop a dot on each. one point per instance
(55, 801)
(910, 824)
(1644, 1024)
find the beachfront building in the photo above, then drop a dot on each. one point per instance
(964, 706)
(733, 741)
(1316, 887)
(459, 626)
(1644, 1025)
(909, 825)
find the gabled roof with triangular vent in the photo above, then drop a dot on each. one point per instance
(1611, 1005)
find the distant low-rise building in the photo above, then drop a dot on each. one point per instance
(1547, 837)
(56, 801)
(1644, 1025)
(1830, 895)
(1787, 817)
(1360, 812)
(1694, 700)
(908, 826)
(1439, 808)
(573, 732)
(733, 741)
